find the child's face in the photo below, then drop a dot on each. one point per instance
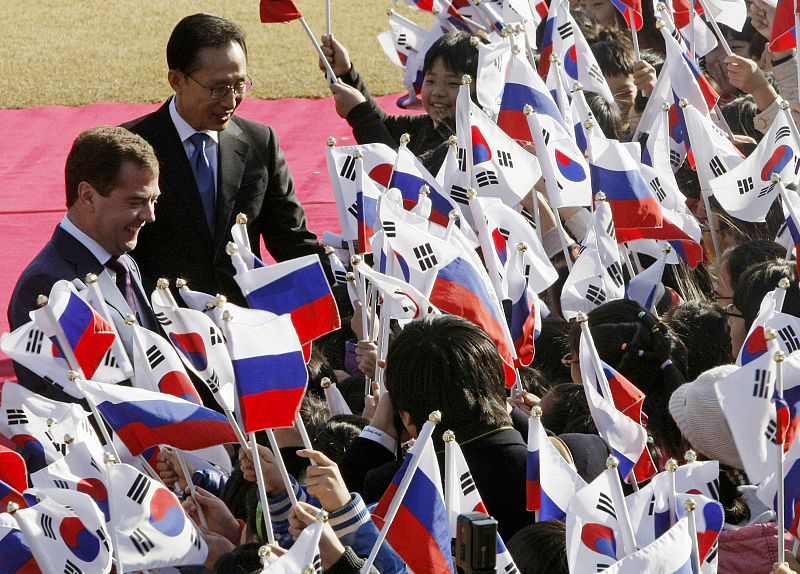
(439, 91)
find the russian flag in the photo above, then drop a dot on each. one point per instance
(270, 370)
(143, 419)
(409, 175)
(631, 10)
(297, 287)
(615, 173)
(367, 218)
(13, 478)
(546, 47)
(526, 320)
(459, 290)
(784, 33)
(409, 185)
(791, 500)
(419, 533)
(15, 554)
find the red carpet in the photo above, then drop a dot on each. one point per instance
(36, 141)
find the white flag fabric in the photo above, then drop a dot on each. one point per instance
(500, 166)
(786, 326)
(152, 528)
(670, 554)
(303, 553)
(747, 191)
(400, 299)
(69, 539)
(492, 64)
(336, 403)
(201, 346)
(646, 287)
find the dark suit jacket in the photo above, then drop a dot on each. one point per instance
(64, 257)
(252, 178)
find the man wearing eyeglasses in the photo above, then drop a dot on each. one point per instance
(214, 165)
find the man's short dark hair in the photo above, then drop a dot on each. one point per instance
(199, 31)
(457, 52)
(446, 363)
(614, 53)
(97, 156)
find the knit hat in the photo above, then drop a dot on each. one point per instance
(697, 412)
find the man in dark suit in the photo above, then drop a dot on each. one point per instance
(111, 178)
(214, 165)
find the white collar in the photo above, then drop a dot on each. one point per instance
(185, 131)
(93, 246)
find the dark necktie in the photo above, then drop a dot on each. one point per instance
(123, 279)
(204, 175)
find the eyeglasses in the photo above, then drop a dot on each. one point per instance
(219, 92)
(568, 361)
(728, 310)
(716, 297)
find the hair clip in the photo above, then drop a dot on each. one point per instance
(642, 314)
(666, 364)
(656, 328)
(641, 352)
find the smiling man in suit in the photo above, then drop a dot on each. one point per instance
(111, 179)
(214, 165)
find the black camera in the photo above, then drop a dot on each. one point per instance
(476, 544)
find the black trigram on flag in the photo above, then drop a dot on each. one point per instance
(761, 382)
(596, 295)
(340, 275)
(16, 417)
(605, 504)
(712, 553)
(70, 568)
(103, 538)
(46, 521)
(545, 136)
(789, 338)
(348, 170)
(486, 177)
(610, 229)
(138, 489)
(658, 189)
(109, 360)
(34, 342)
(713, 488)
(771, 432)
(459, 195)
(401, 39)
(511, 569)
(389, 228)
(651, 509)
(60, 483)
(504, 158)
(141, 541)
(615, 272)
(467, 484)
(796, 165)
(462, 159)
(163, 319)
(675, 159)
(601, 566)
(716, 166)
(215, 335)
(59, 447)
(195, 539)
(528, 217)
(745, 185)
(783, 132)
(353, 210)
(425, 256)
(596, 73)
(213, 382)
(766, 189)
(154, 357)
(565, 30)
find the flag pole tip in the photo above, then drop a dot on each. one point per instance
(581, 318)
(389, 12)
(515, 49)
(779, 357)
(129, 319)
(588, 124)
(784, 283)
(474, 41)
(536, 411)
(264, 553)
(404, 139)
(350, 276)
(231, 248)
(325, 382)
(68, 438)
(41, 300)
(448, 436)
(330, 142)
(775, 177)
(220, 300)
(50, 422)
(600, 196)
(577, 87)
(661, 7)
(527, 109)
(690, 456)
(659, 24)
(73, 375)
(109, 458)
(784, 105)
(90, 279)
(322, 516)
(671, 465)
(690, 505)
(329, 250)
(665, 106)
(12, 507)
(180, 283)
(241, 219)
(355, 260)
(309, 570)
(666, 248)
(425, 190)
(452, 140)
(162, 284)
(612, 461)
(522, 247)
(453, 215)
(435, 417)
(471, 193)
(770, 334)
(466, 79)
(683, 102)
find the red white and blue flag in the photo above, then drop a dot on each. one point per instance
(768, 488)
(784, 32)
(297, 287)
(631, 10)
(786, 326)
(419, 532)
(268, 363)
(13, 477)
(15, 554)
(671, 553)
(158, 367)
(143, 419)
(550, 481)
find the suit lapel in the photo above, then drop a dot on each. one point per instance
(233, 151)
(176, 175)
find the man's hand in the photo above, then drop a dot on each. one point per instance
(336, 54)
(744, 74)
(366, 357)
(169, 469)
(644, 77)
(269, 468)
(346, 98)
(324, 481)
(330, 549)
(219, 518)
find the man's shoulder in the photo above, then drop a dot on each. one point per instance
(148, 122)
(252, 129)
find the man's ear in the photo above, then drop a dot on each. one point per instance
(86, 195)
(405, 416)
(175, 79)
